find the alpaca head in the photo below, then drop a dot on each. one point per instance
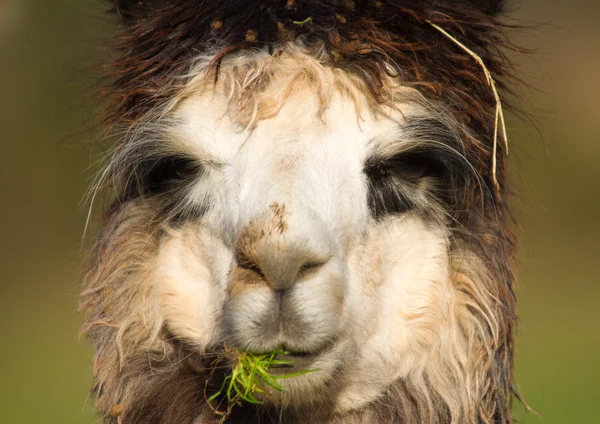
(283, 185)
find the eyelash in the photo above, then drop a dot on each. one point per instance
(168, 171)
(156, 176)
(393, 181)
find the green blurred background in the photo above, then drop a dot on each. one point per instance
(47, 51)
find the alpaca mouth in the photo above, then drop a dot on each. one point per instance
(300, 361)
(296, 362)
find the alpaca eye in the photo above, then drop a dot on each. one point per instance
(167, 173)
(412, 166)
(394, 182)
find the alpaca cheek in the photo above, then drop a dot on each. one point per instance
(418, 282)
(189, 299)
(403, 269)
(411, 274)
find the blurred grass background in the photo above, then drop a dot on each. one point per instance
(46, 52)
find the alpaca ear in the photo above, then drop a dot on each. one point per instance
(131, 10)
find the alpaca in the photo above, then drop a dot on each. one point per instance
(325, 178)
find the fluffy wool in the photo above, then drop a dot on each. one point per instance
(317, 185)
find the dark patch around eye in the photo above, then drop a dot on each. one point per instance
(161, 176)
(395, 182)
(169, 173)
(398, 182)
(386, 196)
(410, 166)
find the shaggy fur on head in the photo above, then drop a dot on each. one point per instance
(370, 39)
(385, 57)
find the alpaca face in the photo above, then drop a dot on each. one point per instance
(319, 230)
(321, 178)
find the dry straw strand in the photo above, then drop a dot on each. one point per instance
(499, 117)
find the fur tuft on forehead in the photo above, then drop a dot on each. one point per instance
(371, 40)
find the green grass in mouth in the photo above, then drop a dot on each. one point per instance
(251, 376)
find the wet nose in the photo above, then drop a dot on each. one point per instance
(279, 247)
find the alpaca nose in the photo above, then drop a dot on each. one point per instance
(280, 271)
(278, 249)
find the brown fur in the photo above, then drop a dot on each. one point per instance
(160, 47)
(143, 374)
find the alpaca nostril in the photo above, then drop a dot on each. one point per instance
(249, 265)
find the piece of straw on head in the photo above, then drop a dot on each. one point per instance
(499, 116)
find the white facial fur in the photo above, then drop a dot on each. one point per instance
(375, 304)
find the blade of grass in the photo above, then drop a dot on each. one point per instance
(250, 375)
(295, 374)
